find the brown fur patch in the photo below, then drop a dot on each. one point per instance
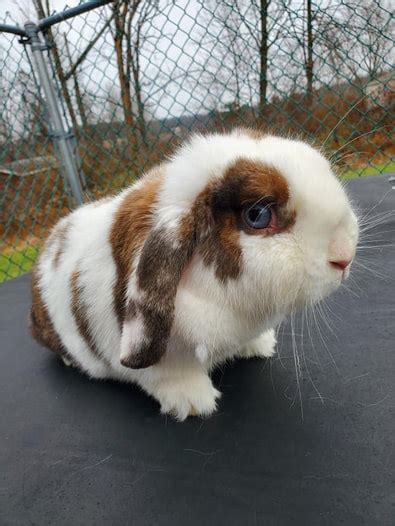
(245, 181)
(130, 228)
(56, 241)
(159, 272)
(254, 180)
(222, 248)
(60, 236)
(253, 133)
(80, 314)
(41, 326)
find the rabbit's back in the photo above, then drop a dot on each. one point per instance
(72, 288)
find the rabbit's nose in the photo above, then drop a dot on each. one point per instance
(341, 251)
(340, 264)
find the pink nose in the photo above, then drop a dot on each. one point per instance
(341, 264)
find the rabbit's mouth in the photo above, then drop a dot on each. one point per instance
(346, 273)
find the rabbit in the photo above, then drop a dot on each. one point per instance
(194, 264)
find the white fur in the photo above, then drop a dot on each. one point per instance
(213, 321)
(261, 347)
(132, 335)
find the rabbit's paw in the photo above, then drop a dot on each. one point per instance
(261, 347)
(188, 395)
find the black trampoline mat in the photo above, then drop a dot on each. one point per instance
(75, 451)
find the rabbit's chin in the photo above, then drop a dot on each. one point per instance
(325, 285)
(231, 314)
(310, 295)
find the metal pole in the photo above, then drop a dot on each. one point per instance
(61, 136)
(45, 23)
(15, 30)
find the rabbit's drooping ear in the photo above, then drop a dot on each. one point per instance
(150, 311)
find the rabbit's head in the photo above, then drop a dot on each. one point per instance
(262, 219)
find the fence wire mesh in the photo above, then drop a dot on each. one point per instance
(135, 77)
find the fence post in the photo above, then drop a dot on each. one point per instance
(62, 137)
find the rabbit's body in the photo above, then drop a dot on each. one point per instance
(161, 283)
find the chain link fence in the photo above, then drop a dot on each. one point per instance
(130, 79)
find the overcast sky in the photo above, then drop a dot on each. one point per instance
(24, 9)
(173, 67)
(99, 73)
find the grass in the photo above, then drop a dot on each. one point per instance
(13, 264)
(375, 169)
(17, 262)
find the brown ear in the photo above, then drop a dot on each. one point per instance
(150, 314)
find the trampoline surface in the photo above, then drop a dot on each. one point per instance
(75, 451)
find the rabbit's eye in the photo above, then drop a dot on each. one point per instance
(257, 216)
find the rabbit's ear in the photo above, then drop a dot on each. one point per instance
(150, 310)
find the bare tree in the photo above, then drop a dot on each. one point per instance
(121, 9)
(54, 50)
(302, 37)
(224, 66)
(33, 109)
(113, 110)
(133, 20)
(239, 37)
(59, 53)
(265, 34)
(145, 16)
(90, 45)
(367, 47)
(77, 89)
(5, 124)
(309, 52)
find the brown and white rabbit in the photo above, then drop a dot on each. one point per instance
(194, 264)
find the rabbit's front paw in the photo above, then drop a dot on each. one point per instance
(261, 347)
(188, 395)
